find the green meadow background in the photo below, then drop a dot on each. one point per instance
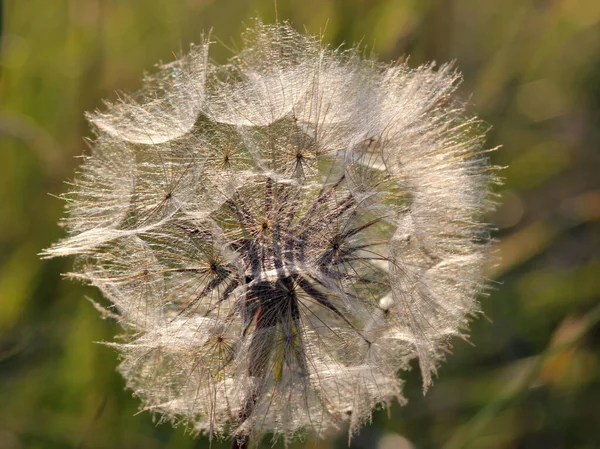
(530, 376)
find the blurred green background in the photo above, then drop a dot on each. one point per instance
(532, 71)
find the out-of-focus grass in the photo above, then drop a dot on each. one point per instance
(531, 380)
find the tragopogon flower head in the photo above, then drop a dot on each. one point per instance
(282, 234)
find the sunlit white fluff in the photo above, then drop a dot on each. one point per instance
(283, 234)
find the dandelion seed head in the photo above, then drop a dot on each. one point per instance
(283, 234)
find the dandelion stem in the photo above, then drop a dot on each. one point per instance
(240, 443)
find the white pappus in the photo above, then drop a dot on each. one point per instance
(282, 234)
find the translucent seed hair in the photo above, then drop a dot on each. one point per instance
(281, 235)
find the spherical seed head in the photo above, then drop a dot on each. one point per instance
(282, 234)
